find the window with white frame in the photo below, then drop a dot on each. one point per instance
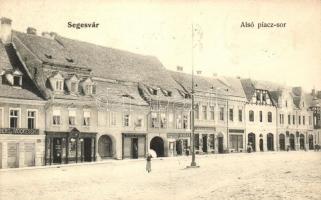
(204, 110)
(251, 116)
(212, 112)
(196, 111)
(163, 121)
(185, 121)
(73, 87)
(231, 114)
(113, 119)
(261, 116)
(240, 115)
(72, 117)
(59, 85)
(154, 120)
(17, 80)
(31, 119)
(14, 118)
(270, 117)
(126, 120)
(139, 122)
(222, 113)
(86, 121)
(179, 121)
(56, 117)
(303, 120)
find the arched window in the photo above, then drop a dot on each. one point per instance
(251, 116)
(269, 117)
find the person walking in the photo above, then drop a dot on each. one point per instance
(148, 163)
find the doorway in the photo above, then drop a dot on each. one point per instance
(251, 141)
(57, 150)
(87, 149)
(269, 142)
(261, 145)
(302, 142)
(220, 144)
(157, 144)
(29, 154)
(282, 142)
(310, 142)
(204, 149)
(105, 147)
(134, 148)
(179, 147)
(292, 142)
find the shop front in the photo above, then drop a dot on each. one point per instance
(70, 147)
(178, 143)
(133, 145)
(236, 143)
(20, 147)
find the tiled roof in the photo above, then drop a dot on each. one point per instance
(119, 93)
(202, 83)
(104, 62)
(10, 61)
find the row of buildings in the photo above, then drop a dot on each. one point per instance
(66, 101)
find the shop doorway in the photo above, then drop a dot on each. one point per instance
(204, 149)
(179, 147)
(310, 142)
(134, 148)
(269, 142)
(261, 145)
(292, 142)
(105, 147)
(157, 144)
(29, 154)
(13, 158)
(87, 149)
(57, 151)
(220, 144)
(251, 141)
(301, 141)
(282, 142)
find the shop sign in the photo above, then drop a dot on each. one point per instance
(236, 130)
(19, 131)
(178, 135)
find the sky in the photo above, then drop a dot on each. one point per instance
(289, 55)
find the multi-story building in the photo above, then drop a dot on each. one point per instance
(219, 110)
(294, 118)
(22, 110)
(315, 107)
(66, 101)
(260, 115)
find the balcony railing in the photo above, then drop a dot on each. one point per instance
(19, 131)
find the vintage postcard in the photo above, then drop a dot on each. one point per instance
(159, 99)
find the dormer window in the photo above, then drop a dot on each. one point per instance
(59, 85)
(89, 87)
(14, 78)
(154, 92)
(72, 84)
(17, 80)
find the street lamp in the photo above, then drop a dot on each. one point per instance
(193, 163)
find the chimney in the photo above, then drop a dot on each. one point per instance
(319, 94)
(179, 68)
(53, 35)
(31, 31)
(199, 72)
(238, 77)
(5, 31)
(214, 74)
